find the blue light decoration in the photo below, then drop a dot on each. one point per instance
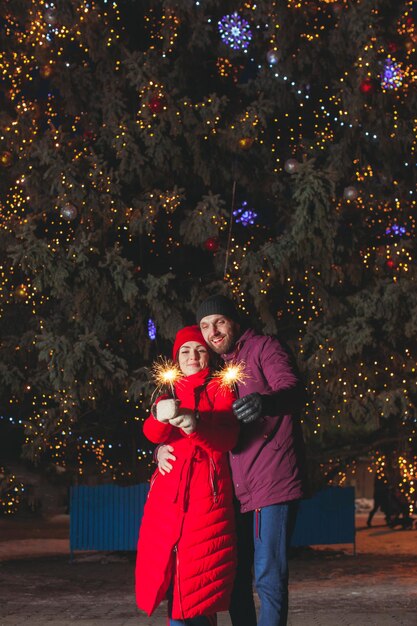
(392, 75)
(244, 216)
(397, 230)
(235, 31)
(151, 330)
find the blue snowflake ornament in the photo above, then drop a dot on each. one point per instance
(244, 216)
(392, 75)
(235, 31)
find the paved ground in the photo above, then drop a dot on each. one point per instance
(329, 587)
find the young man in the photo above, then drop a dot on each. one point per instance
(267, 464)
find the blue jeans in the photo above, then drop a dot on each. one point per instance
(263, 543)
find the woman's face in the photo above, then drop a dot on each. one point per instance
(192, 357)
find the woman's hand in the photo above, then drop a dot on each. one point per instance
(186, 421)
(165, 410)
(164, 457)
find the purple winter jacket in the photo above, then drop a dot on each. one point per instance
(268, 462)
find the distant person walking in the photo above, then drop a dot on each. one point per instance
(382, 499)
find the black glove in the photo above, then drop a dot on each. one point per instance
(248, 408)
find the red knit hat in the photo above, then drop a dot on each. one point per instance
(188, 333)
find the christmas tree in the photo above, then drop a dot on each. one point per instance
(154, 153)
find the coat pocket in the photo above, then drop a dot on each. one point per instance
(153, 480)
(286, 453)
(277, 440)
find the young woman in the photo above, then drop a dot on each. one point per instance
(186, 548)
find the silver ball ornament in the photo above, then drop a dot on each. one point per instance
(350, 193)
(272, 57)
(291, 166)
(69, 212)
(50, 16)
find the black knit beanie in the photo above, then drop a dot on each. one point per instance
(218, 305)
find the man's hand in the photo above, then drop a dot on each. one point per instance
(164, 456)
(165, 410)
(186, 421)
(248, 408)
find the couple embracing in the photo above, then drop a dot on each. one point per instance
(207, 531)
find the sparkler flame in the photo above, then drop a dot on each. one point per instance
(232, 374)
(166, 373)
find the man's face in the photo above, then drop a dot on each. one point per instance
(220, 333)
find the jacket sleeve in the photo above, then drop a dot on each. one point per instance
(219, 430)
(287, 392)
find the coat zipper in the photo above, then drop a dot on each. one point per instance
(177, 574)
(212, 479)
(152, 483)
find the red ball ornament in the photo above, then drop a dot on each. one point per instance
(390, 264)
(156, 104)
(367, 86)
(392, 46)
(337, 8)
(212, 244)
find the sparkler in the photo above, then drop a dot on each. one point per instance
(232, 374)
(166, 373)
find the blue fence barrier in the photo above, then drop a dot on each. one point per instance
(326, 518)
(107, 517)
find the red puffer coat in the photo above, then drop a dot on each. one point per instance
(187, 539)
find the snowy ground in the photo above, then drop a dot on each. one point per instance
(329, 585)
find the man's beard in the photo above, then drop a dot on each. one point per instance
(225, 348)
